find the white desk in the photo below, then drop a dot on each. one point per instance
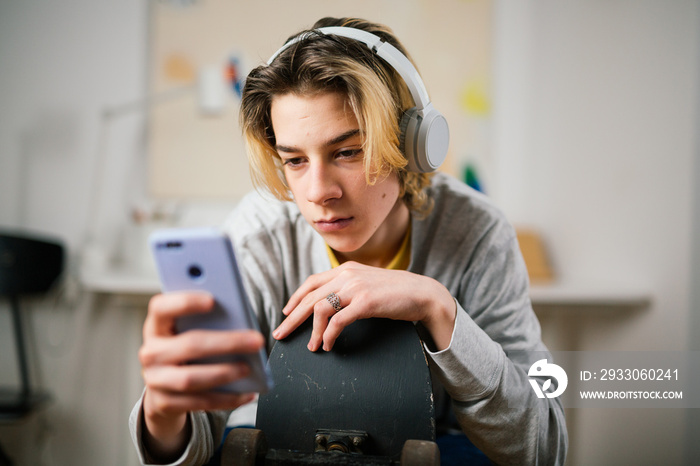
(123, 281)
(120, 281)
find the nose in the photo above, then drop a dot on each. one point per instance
(323, 184)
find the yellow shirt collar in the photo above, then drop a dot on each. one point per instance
(401, 260)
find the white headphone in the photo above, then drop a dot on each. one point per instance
(425, 135)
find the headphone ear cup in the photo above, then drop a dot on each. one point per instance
(407, 138)
(432, 139)
(424, 139)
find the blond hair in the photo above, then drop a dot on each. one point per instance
(375, 92)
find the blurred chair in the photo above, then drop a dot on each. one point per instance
(29, 265)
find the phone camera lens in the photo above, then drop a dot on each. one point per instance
(195, 271)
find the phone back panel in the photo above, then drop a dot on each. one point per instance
(202, 259)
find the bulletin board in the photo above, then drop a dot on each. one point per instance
(194, 155)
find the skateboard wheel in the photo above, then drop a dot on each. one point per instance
(244, 447)
(420, 453)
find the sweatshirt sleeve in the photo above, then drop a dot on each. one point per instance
(485, 368)
(493, 400)
(206, 426)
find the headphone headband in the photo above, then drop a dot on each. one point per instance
(384, 50)
(424, 132)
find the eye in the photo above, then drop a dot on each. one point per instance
(349, 153)
(293, 162)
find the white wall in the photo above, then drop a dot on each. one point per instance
(692, 447)
(596, 132)
(62, 64)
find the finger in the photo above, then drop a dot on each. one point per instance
(169, 403)
(295, 317)
(289, 324)
(163, 309)
(301, 313)
(323, 310)
(310, 284)
(194, 377)
(197, 344)
(337, 323)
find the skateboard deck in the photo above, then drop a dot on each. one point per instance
(365, 398)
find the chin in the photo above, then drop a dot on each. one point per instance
(342, 246)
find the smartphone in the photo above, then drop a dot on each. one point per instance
(203, 259)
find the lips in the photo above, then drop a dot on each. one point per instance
(333, 224)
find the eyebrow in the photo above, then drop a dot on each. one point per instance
(336, 140)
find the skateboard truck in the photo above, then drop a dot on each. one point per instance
(341, 441)
(248, 447)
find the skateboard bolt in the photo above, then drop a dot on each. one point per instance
(357, 441)
(320, 440)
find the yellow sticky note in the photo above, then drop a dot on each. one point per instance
(474, 98)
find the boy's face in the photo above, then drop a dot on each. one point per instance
(319, 141)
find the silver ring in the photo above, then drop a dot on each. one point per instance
(335, 301)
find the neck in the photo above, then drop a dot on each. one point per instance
(384, 245)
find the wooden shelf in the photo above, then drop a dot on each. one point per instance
(588, 294)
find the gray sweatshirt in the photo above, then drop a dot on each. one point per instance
(467, 245)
